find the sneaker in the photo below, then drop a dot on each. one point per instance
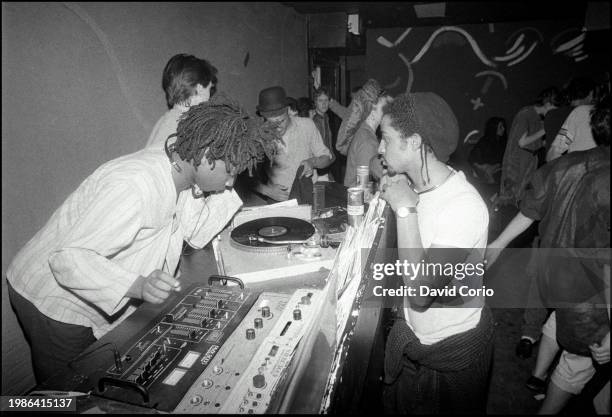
(536, 384)
(524, 348)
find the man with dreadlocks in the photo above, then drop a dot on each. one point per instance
(438, 354)
(117, 239)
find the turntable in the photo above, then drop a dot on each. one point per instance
(271, 234)
(273, 247)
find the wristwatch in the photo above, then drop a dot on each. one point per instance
(405, 211)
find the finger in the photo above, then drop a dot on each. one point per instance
(164, 281)
(153, 294)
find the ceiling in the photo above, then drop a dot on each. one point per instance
(402, 14)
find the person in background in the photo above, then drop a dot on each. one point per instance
(321, 120)
(438, 356)
(301, 146)
(116, 240)
(571, 198)
(293, 107)
(487, 154)
(187, 81)
(524, 139)
(575, 133)
(579, 91)
(359, 109)
(363, 149)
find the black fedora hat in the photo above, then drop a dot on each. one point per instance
(272, 101)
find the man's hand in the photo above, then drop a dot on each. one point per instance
(274, 191)
(155, 288)
(601, 351)
(397, 192)
(308, 168)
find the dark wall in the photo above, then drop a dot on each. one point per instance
(81, 85)
(453, 62)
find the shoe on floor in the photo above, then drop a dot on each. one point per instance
(536, 384)
(524, 348)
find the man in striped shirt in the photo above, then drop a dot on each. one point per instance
(117, 239)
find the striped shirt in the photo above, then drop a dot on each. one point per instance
(123, 221)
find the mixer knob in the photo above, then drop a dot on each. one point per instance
(258, 323)
(212, 313)
(195, 400)
(259, 381)
(207, 383)
(265, 312)
(297, 314)
(220, 304)
(204, 322)
(169, 318)
(217, 369)
(250, 334)
(305, 300)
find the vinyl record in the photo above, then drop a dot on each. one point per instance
(272, 229)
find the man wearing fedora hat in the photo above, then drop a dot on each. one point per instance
(303, 145)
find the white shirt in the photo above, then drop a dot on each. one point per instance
(302, 141)
(453, 215)
(575, 134)
(165, 126)
(123, 221)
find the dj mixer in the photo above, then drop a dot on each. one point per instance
(218, 349)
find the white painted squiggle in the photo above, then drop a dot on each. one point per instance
(469, 38)
(384, 42)
(108, 48)
(497, 74)
(569, 44)
(410, 73)
(511, 56)
(473, 132)
(516, 43)
(516, 61)
(402, 36)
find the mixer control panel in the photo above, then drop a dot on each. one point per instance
(212, 388)
(158, 365)
(267, 368)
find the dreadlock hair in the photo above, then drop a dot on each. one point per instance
(221, 129)
(361, 106)
(403, 119)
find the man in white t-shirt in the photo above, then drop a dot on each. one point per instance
(303, 145)
(438, 356)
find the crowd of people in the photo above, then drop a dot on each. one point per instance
(116, 241)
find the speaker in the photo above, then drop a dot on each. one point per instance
(327, 30)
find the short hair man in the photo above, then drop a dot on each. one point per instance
(441, 219)
(524, 139)
(187, 81)
(302, 145)
(118, 237)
